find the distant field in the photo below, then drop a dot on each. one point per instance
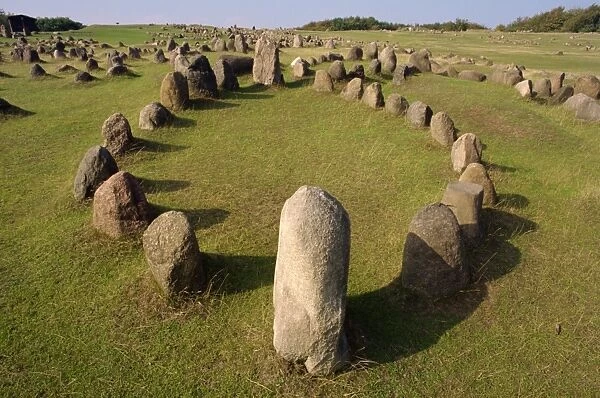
(80, 314)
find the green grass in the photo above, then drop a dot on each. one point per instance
(80, 312)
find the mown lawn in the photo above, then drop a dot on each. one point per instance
(80, 314)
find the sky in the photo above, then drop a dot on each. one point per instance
(273, 14)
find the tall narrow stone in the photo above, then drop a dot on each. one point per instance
(466, 149)
(266, 69)
(311, 277)
(465, 200)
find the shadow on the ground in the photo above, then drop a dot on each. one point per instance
(499, 167)
(237, 274)
(156, 186)
(206, 103)
(182, 122)
(13, 110)
(512, 200)
(392, 323)
(142, 144)
(199, 218)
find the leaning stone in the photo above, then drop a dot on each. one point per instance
(117, 134)
(433, 263)
(353, 90)
(311, 276)
(337, 71)
(96, 167)
(172, 252)
(563, 94)
(420, 60)
(174, 92)
(154, 116)
(266, 69)
(465, 200)
(588, 85)
(442, 129)
(419, 114)
(323, 81)
(466, 149)
(477, 174)
(396, 105)
(524, 88)
(373, 96)
(120, 206)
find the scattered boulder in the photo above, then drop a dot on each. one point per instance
(181, 64)
(220, 45)
(332, 57)
(465, 199)
(466, 149)
(477, 174)
(58, 54)
(202, 81)
(96, 167)
(337, 71)
(419, 114)
(471, 75)
(588, 85)
(174, 92)
(388, 59)
(524, 88)
(226, 79)
(330, 44)
(83, 77)
(120, 206)
(396, 105)
(561, 95)
(542, 88)
(373, 96)
(172, 252)
(355, 54)
(371, 51)
(323, 81)
(420, 60)
(117, 134)
(442, 129)
(266, 69)
(154, 116)
(311, 276)
(37, 71)
(433, 263)
(171, 45)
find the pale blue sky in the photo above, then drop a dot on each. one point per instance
(263, 13)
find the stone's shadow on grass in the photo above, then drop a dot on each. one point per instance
(237, 95)
(181, 122)
(142, 144)
(6, 75)
(199, 218)
(499, 167)
(299, 83)
(14, 111)
(156, 186)
(205, 103)
(238, 274)
(391, 323)
(513, 200)
(253, 89)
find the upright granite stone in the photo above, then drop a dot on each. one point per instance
(353, 90)
(120, 206)
(371, 51)
(442, 129)
(226, 79)
(466, 149)
(542, 88)
(300, 69)
(91, 65)
(174, 92)
(375, 67)
(202, 82)
(154, 116)
(298, 41)
(433, 263)
(159, 56)
(388, 59)
(117, 134)
(311, 276)
(465, 200)
(525, 88)
(172, 252)
(401, 73)
(266, 69)
(355, 54)
(477, 174)
(419, 114)
(373, 96)
(420, 60)
(396, 105)
(240, 44)
(323, 81)
(37, 71)
(97, 166)
(337, 71)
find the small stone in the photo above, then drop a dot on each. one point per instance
(117, 134)
(419, 114)
(97, 166)
(353, 90)
(323, 81)
(154, 116)
(174, 92)
(337, 71)
(396, 105)
(442, 129)
(373, 96)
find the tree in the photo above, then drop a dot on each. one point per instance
(56, 24)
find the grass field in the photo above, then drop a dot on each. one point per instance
(80, 314)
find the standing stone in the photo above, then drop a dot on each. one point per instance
(375, 67)
(120, 206)
(83, 77)
(337, 71)
(174, 92)
(159, 56)
(181, 64)
(556, 82)
(300, 69)
(220, 45)
(356, 71)
(355, 54)
(311, 277)
(371, 51)
(298, 41)
(117, 70)
(373, 96)
(524, 88)
(465, 200)
(353, 90)
(37, 71)
(202, 81)
(466, 149)
(91, 65)
(323, 81)
(96, 167)
(388, 59)
(420, 60)
(117, 134)
(442, 129)
(172, 252)
(171, 45)
(330, 43)
(400, 75)
(226, 79)
(30, 55)
(266, 69)
(588, 85)
(154, 116)
(240, 44)
(396, 105)
(477, 174)
(433, 263)
(560, 96)
(419, 114)
(542, 88)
